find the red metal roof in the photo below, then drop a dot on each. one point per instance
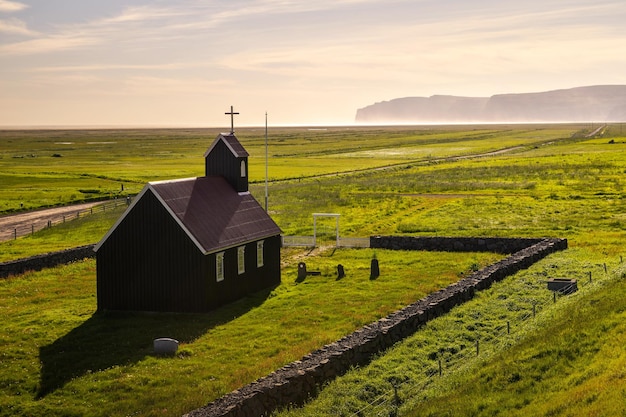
(213, 214)
(210, 212)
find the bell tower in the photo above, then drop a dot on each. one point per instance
(228, 158)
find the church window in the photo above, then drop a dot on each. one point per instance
(241, 259)
(259, 253)
(219, 267)
(243, 169)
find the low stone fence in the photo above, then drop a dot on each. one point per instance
(453, 244)
(46, 260)
(296, 382)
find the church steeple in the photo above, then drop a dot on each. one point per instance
(228, 158)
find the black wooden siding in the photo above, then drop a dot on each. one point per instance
(235, 286)
(221, 161)
(149, 263)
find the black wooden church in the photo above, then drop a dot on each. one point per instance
(190, 245)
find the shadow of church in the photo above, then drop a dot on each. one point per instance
(109, 339)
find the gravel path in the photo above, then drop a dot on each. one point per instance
(38, 219)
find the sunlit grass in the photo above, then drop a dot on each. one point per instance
(60, 359)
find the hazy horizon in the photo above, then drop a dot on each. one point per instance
(183, 63)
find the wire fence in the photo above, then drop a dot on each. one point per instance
(388, 403)
(29, 228)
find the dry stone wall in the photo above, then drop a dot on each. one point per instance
(298, 381)
(453, 244)
(47, 260)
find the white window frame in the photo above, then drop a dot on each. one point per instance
(241, 260)
(243, 169)
(219, 266)
(259, 253)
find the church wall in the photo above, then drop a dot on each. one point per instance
(149, 264)
(235, 285)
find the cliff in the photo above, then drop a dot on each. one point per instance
(606, 103)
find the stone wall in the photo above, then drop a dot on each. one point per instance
(47, 260)
(296, 382)
(453, 244)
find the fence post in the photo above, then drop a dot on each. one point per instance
(508, 327)
(15, 234)
(32, 229)
(534, 309)
(440, 367)
(477, 347)
(590, 280)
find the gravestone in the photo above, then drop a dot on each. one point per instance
(340, 272)
(301, 271)
(375, 271)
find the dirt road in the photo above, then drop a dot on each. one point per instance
(24, 223)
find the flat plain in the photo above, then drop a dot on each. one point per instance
(59, 358)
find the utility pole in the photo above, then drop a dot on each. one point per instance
(266, 161)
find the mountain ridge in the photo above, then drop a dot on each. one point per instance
(598, 103)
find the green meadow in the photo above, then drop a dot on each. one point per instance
(57, 357)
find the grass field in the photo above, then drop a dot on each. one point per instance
(58, 358)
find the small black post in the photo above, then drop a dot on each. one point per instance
(15, 234)
(32, 229)
(440, 370)
(508, 327)
(534, 309)
(605, 267)
(590, 280)
(396, 399)
(477, 347)
(63, 218)
(554, 296)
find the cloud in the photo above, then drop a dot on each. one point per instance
(15, 27)
(7, 6)
(46, 45)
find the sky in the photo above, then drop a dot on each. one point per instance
(183, 63)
